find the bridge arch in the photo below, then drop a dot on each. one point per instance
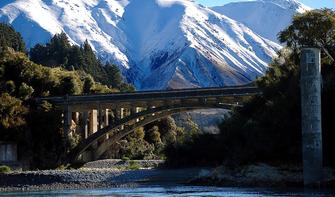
(122, 128)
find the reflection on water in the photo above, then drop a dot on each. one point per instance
(177, 191)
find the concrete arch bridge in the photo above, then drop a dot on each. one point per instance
(104, 119)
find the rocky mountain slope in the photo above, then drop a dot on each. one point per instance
(157, 44)
(265, 17)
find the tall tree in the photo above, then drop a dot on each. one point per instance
(10, 38)
(315, 28)
(114, 75)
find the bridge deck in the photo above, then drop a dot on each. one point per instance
(156, 95)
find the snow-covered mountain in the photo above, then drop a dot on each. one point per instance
(157, 43)
(265, 17)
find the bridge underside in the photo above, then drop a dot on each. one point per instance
(100, 135)
(124, 127)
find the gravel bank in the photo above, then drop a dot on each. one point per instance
(111, 173)
(93, 178)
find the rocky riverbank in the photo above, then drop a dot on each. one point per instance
(67, 179)
(114, 173)
(259, 175)
(99, 174)
(82, 179)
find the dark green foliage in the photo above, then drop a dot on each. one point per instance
(126, 87)
(59, 52)
(149, 142)
(311, 29)
(37, 129)
(69, 85)
(11, 112)
(136, 148)
(4, 169)
(25, 91)
(167, 129)
(47, 146)
(54, 53)
(114, 75)
(88, 84)
(10, 38)
(139, 133)
(134, 165)
(154, 136)
(201, 150)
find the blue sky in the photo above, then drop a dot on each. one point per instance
(310, 3)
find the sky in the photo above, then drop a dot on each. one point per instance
(310, 3)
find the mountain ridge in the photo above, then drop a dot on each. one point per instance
(265, 17)
(157, 44)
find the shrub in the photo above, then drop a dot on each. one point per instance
(125, 158)
(134, 165)
(4, 169)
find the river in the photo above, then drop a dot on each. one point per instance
(176, 191)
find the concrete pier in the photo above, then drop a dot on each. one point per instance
(84, 125)
(93, 121)
(311, 116)
(67, 121)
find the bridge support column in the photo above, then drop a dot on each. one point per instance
(106, 118)
(84, 125)
(120, 114)
(93, 127)
(106, 121)
(135, 110)
(311, 116)
(67, 121)
(75, 118)
(113, 116)
(100, 119)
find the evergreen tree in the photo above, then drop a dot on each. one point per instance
(59, 48)
(59, 52)
(10, 38)
(114, 75)
(92, 65)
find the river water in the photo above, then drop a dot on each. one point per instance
(176, 191)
